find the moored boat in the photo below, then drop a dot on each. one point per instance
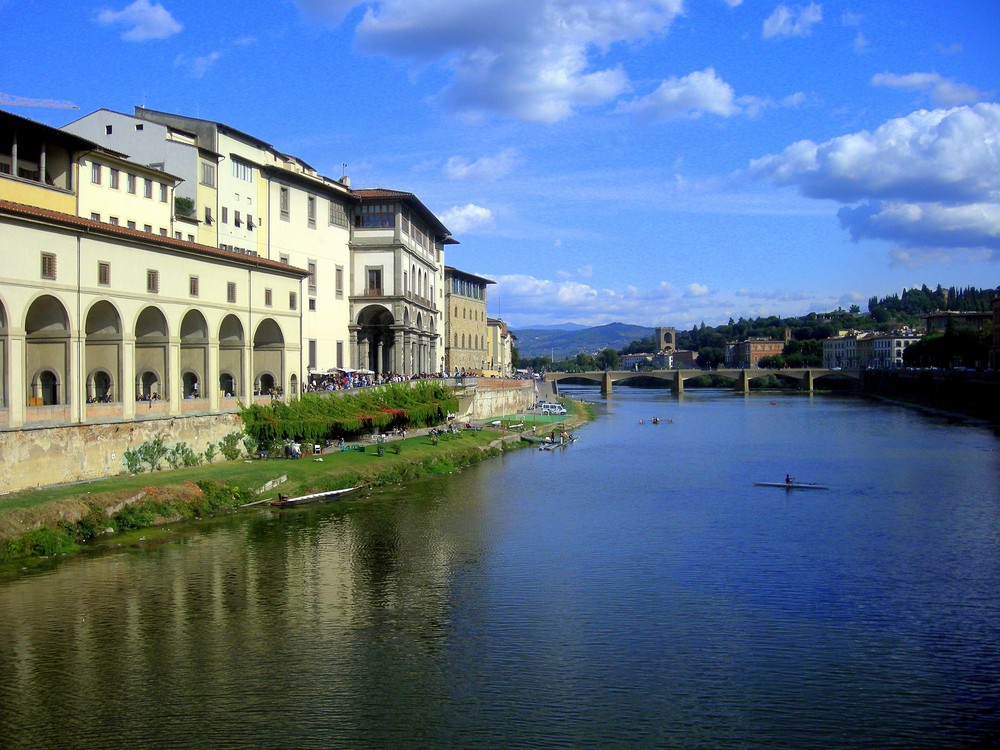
(317, 497)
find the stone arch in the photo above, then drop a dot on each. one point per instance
(101, 386)
(375, 338)
(47, 338)
(194, 354)
(268, 356)
(104, 352)
(152, 335)
(232, 354)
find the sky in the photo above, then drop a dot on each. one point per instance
(653, 162)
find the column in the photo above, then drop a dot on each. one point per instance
(125, 387)
(16, 408)
(678, 383)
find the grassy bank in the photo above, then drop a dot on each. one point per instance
(63, 520)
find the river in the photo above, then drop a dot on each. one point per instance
(633, 590)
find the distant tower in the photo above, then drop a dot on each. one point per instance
(666, 339)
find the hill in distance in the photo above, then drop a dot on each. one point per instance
(563, 342)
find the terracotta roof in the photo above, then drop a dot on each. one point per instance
(78, 222)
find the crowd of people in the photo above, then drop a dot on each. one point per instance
(343, 380)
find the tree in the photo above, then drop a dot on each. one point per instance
(607, 360)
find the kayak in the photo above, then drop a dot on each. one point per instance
(793, 485)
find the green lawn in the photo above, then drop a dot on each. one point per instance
(255, 473)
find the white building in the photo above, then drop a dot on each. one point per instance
(241, 194)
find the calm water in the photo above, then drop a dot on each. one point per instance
(633, 590)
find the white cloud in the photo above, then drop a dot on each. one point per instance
(528, 300)
(733, 3)
(486, 168)
(690, 97)
(797, 21)
(467, 218)
(930, 180)
(860, 42)
(943, 91)
(527, 59)
(145, 20)
(198, 66)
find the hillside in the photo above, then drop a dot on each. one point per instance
(543, 342)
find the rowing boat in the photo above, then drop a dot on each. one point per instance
(793, 485)
(316, 497)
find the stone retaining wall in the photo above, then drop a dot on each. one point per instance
(55, 455)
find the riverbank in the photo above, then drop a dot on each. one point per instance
(67, 519)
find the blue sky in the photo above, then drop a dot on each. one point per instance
(656, 162)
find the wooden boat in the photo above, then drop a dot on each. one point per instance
(793, 485)
(284, 501)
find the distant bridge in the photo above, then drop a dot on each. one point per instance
(806, 377)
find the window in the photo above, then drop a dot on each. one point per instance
(208, 215)
(147, 228)
(312, 277)
(107, 130)
(113, 220)
(242, 170)
(147, 188)
(103, 273)
(178, 235)
(113, 178)
(340, 354)
(94, 216)
(163, 231)
(49, 266)
(375, 281)
(375, 217)
(95, 173)
(231, 292)
(250, 224)
(138, 126)
(207, 174)
(190, 238)
(236, 219)
(293, 300)
(311, 211)
(130, 183)
(163, 193)
(131, 225)
(225, 215)
(283, 259)
(268, 298)
(340, 282)
(152, 281)
(283, 202)
(312, 304)
(338, 215)
(312, 354)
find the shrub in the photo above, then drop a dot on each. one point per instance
(133, 461)
(230, 446)
(210, 452)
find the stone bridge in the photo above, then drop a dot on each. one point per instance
(674, 379)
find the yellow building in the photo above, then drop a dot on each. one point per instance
(468, 346)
